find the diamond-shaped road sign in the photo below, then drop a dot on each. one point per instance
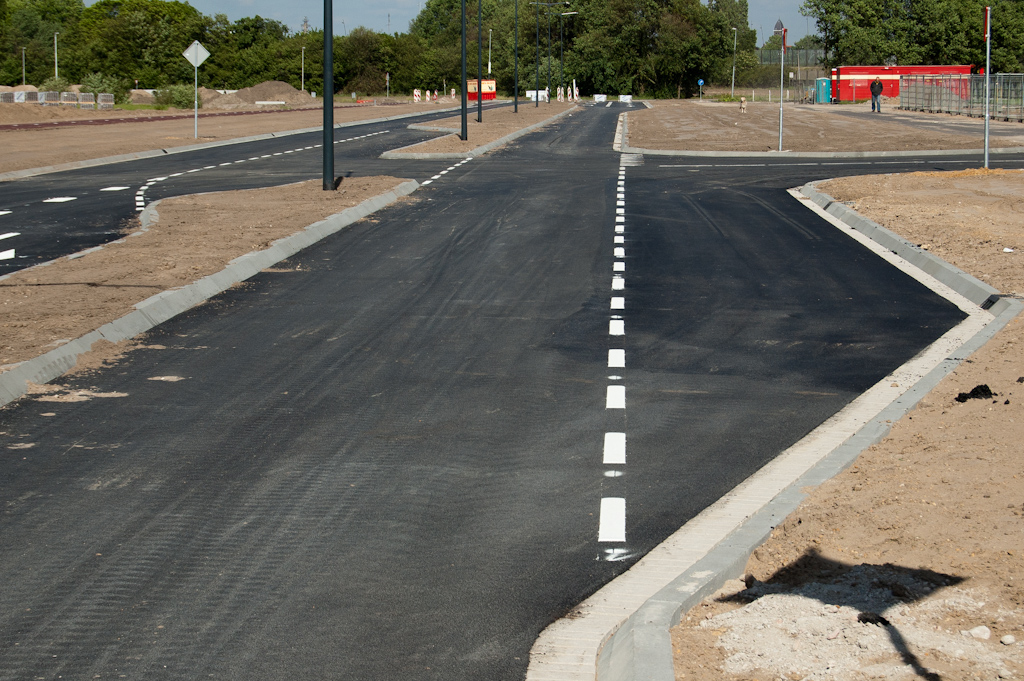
(196, 54)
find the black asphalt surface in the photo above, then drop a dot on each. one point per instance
(96, 215)
(383, 459)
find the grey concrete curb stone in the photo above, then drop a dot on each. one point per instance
(479, 151)
(641, 649)
(167, 304)
(153, 153)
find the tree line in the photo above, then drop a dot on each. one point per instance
(653, 48)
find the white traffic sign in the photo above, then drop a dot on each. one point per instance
(196, 54)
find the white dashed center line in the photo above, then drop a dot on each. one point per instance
(613, 520)
(614, 449)
(616, 358)
(60, 199)
(114, 189)
(616, 397)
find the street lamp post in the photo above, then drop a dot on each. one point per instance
(464, 135)
(490, 34)
(515, 108)
(479, 61)
(328, 138)
(732, 93)
(303, 81)
(23, 66)
(561, 49)
(55, 76)
(564, 3)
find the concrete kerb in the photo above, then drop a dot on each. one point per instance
(153, 153)
(167, 304)
(626, 148)
(640, 647)
(483, 149)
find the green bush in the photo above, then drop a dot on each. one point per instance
(97, 83)
(178, 96)
(55, 85)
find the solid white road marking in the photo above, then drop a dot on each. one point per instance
(60, 199)
(615, 448)
(613, 520)
(618, 303)
(616, 359)
(616, 397)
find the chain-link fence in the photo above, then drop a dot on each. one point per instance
(965, 95)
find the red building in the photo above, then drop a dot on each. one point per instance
(851, 83)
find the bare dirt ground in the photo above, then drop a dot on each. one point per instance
(877, 574)
(711, 126)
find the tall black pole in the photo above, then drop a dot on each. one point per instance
(561, 53)
(549, 56)
(479, 61)
(515, 107)
(537, 93)
(328, 95)
(463, 85)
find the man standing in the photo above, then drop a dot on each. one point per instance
(876, 95)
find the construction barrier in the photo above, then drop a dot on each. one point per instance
(416, 95)
(964, 94)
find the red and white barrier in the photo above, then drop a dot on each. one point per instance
(416, 95)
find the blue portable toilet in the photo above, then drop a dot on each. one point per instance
(823, 91)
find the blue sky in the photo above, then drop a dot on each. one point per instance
(347, 14)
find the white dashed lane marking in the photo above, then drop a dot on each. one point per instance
(114, 189)
(613, 520)
(60, 199)
(5, 212)
(7, 255)
(616, 397)
(616, 358)
(140, 200)
(618, 303)
(614, 449)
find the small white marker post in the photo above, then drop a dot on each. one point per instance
(196, 54)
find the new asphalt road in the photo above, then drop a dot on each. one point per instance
(404, 452)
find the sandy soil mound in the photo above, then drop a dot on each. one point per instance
(274, 91)
(142, 97)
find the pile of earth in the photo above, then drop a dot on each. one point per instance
(19, 88)
(246, 98)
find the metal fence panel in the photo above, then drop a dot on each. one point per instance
(49, 98)
(965, 95)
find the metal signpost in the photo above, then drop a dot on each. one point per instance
(328, 140)
(988, 70)
(196, 54)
